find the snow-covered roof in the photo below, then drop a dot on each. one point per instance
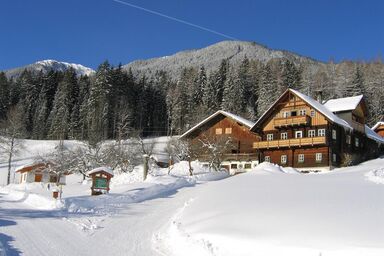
(315, 104)
(100, 169)
(237, 118)
(343, 104)
(377, 125)
(373, 135)
(30, 167)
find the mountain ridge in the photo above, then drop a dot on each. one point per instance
(211, 56)
(47, 65)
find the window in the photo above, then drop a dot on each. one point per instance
(270, 136)
(302, 112)
(283, 159)
(334, 158)
(293, 113)
(357, 142)
(298, 134)
(233, 166)
(267, 159)
(311, 133)
(319, 157)
(321, 132)
(284, 135)
(348, 139)
(334, 134)
(219, 131)
(313, 113)
(300, 158)
(285, 114)
(228, 130)
(247, 166)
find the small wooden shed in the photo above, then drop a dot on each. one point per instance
(101, 178)
(38, 172)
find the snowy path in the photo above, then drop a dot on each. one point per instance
(130, 232)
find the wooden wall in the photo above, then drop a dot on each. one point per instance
(292, 103)
(242, 138)
(292, 155)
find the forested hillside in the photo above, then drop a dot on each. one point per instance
(115, 101)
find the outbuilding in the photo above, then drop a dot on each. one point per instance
(38, 172)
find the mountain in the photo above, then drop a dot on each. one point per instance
(47, 65)
(211, 56)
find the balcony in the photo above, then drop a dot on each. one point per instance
(232, 157)
(291, 121)
(289, 143)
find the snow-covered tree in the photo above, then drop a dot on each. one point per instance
(12, 130)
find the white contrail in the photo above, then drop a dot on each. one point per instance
(175, 19)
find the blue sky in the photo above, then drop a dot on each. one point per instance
(91, 31)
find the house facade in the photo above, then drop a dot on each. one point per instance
(301, 132)
(37, 172)
(296, 131)
(226, 128)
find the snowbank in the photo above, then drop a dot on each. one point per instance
(336, 213)
(269, 168)
(376, 176)
(34, 195)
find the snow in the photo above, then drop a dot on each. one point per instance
(234, 117)
(102, 168)
(335, 213)
(343, 104)
(61, 66)
(268, 211)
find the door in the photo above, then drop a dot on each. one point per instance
(38, 177)
(299, 134)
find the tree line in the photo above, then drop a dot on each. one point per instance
(113, 103)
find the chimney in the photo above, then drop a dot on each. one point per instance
(319, 96)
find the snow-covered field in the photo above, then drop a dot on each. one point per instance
(269, 211)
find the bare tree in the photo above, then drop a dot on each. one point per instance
(146, 149)
(184, 150)
(60, 162)
(215, 149)
(11, 132)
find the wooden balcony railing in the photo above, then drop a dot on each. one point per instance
(233, 157)
(291, 121)
(289, 142)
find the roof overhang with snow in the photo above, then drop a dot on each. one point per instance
(234, 117)
(377, 125)
(101, 169)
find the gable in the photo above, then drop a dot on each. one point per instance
(318, 107)
(221, 125)
(291, 107)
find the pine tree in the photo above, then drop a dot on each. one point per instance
(60, 116)
(357, 85)
(98, 107)
(4, 96)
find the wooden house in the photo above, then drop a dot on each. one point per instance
(37, 172)
(301, 132)
(239, 155)
(379, 128)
